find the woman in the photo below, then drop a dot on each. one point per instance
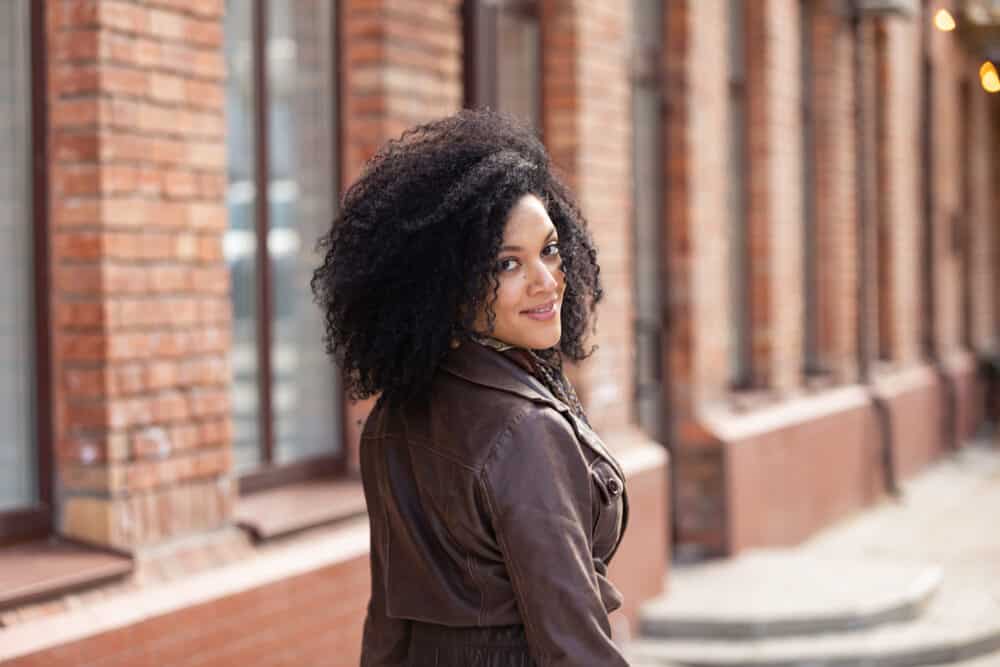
(456, 278)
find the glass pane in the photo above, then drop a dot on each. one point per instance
(18, 474)
(739, 288)
(647, 167)
(648, 191)
(518, 66)
(240, 241)
(810, 267)
(302, 196)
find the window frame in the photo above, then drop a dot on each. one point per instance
(480, 39)
(813, 311)
(648, 75)
(962, 224)
(35, 521)
(268, 474)
(741, 263)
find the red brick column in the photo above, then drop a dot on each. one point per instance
(587, 127)
(946, 55)
(697, 240)
(774, 127)
(836, 182)
(140, 303)
(401, 65)
(697, 253)
(899, 185)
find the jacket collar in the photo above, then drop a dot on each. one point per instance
(480, 365)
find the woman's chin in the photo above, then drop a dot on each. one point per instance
(544, 342)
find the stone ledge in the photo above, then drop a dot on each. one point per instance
(765, 594)
(296, 507)
(44, 569)
(961, 623)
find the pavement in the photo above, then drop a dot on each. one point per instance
(911, 581)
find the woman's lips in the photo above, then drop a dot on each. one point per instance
(544, 312)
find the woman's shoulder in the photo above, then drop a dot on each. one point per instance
(473, 418)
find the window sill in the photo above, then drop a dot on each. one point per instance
(34, 571)
(819, 381)
(296, 507)
(742, 401)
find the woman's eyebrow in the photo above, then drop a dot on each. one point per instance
(517, 248)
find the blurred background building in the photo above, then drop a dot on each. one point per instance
(795, 203)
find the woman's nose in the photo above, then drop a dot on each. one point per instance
(544, 278)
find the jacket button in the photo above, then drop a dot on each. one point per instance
(614, 486)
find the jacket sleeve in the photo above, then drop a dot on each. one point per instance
(538, 493)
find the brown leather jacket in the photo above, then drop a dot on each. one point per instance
(490, 503)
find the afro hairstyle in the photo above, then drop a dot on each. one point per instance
(411, 257)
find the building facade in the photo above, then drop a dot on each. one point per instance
(796, 212)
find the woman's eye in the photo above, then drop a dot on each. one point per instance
(550, 249)
(508, 264)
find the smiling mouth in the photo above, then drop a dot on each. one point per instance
(543, 310)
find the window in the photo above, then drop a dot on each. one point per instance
(25, 440)
(962, 224)
(928, 119)
(811, 257)
(503, 57)
(739, 247)
(647, 198)
(282, 154)
(881, 194)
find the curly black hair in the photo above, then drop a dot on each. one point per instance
(412, 255)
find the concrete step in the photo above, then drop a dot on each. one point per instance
(961, 623)
(777, 594)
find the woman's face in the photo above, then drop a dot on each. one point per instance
(528, 301)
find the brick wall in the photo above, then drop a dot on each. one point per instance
(402, 66)
(140, 303)
(715, 470)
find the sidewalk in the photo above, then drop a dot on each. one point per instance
(912, 581)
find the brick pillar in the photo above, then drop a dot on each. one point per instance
(140, 289)
(697, 253)
(945, 53)
(774, 127)
(898, 194)
(401, 65)
(587, 128)
(836, 221)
